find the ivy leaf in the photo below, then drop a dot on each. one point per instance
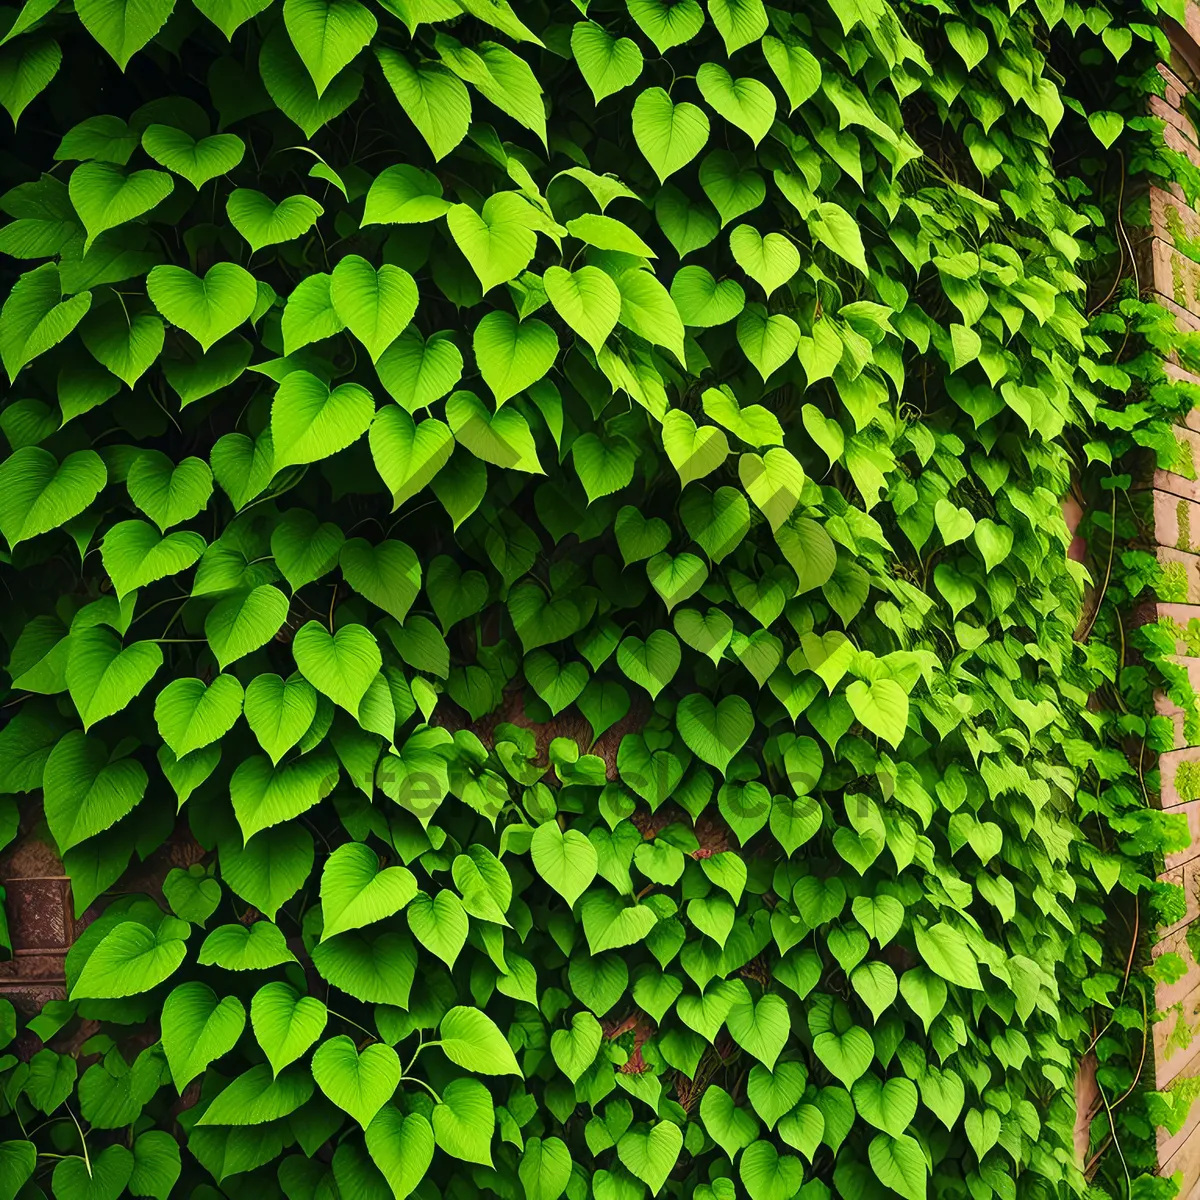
(404, 195)
(190, 715)
(35, 318)
(498, 241)
(435, 99)
(229, 15)
(464, 1121)
(198, 1027)
(270, 868)
(669, 135)
(881, 706)
(85, 792)
(134, 554)
(105, 195)
(264, 223)
(502, 438)
(197, 161)
(341, 665)
(124, 346)
(587, 299)
(899, 1164)
(513, 354)
(667, 25)
(439, 923)
(606, 63)
(207, 308)
(360, 1084)
(746, 102)
(125, 26)
(401, 1147)
(285, 1023)
(739, 22)
(417, 371)
(38, 493)
(245, 948)
(264, 796)
(408, 455)
(566, 860)
(109, 1174)
(650, 1154)
(375, 306)
(471, 1040)
(714, 733)
(356, 892)
(388, 574)
(166, 493)
(947, 952)
(761, 1029)
(769, 261)
(834, 227)
(132, 958)
(575, 1049)
(328, 34)
(798, 71)
(310, 422)
(243, 623)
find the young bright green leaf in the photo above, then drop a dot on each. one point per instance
(240, 625)
(105, 195)
(608, 64)
(132, 958)
(744, 102)
(669, 135)
(498, 241)
(190, 715)
(197, 161)
(470, 1039)
(310, 422)
(435, 99)
(375, 306)
(207, 308)
(166, 493)
(285, 1023)
(124, 346)
(513, 354)
(667, 25)
(356, 892)
(125, 26)
(35, 317)
(38, 493)
(401, 1147)
(262, 222)
(463, 1123)
(328, 34)
(197, 1028)
(85, 792)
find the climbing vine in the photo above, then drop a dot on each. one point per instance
(556, 509)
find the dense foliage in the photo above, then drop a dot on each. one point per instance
(561, 503)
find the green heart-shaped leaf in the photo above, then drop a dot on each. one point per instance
(355, 892)
(262, 222)
(105, 195)
(669, 135)
(197, 161)
(341, 665)
(650, 1155)
(207, 308)
(360, 1084)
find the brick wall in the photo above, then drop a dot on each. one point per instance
(1169, 274)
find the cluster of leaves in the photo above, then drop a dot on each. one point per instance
(558, 506)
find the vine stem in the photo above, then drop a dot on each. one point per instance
(87, 1162)
(414, 1079)
(1112, 546)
